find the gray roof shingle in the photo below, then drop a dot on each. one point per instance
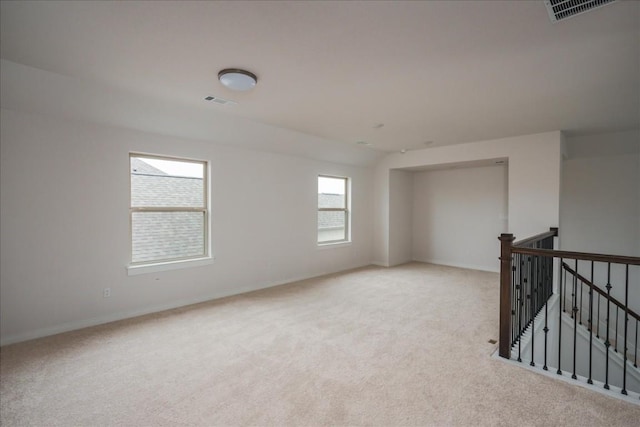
(165, 235)
(329, 219)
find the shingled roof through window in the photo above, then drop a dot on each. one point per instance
(330, 219)
(165, 235)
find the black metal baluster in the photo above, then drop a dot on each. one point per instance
(615, 347)
(550, 276)
(575, 319)
(534, 285)
(546, 332)
(626, 321)
(548, 283)
(520, 304)
(543, 278)
(574, 296)
(533, 312)
(517, 282)
(598, 319)
(635, 358)
(513, 298)
(519, 290)
(541, 291)
(563, 300)
(590, 381)
(581, 286)
(607, 344)
(559, 372)
(527, 294)
(530, 289)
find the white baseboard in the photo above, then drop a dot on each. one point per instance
(80, 324)
(565, 376)
(380, 264)
(460, 265)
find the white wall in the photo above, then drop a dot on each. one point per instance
(381, 208)
(31, 89)
(600, 205)
(600, 208)
(458, 214)
(400, 216)
(65, 231)
(533, 182)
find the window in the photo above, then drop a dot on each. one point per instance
(168, 210)
(333, 209)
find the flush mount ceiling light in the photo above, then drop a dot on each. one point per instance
(236, 79)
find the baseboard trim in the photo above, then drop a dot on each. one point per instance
(114, 317)
(459, 265)
(565, 376)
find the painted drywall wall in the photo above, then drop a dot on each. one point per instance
(533, 184)
(600, 206)
(381, 216)
(457, 214)
(599, 209)
(400, 216)
(65, 228)
(31, 89)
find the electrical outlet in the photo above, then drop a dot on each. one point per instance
(106, 293)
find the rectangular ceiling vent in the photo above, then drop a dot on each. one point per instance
(563, 9)
(220, 101)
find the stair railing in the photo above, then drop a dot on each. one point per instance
(526, 285)
(595, 318)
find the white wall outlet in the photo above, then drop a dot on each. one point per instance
(106, 293)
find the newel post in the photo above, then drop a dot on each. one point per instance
(506, 240)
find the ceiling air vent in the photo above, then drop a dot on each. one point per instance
(220, 101)
(563, 9)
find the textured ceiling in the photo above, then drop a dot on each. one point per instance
(447, 72)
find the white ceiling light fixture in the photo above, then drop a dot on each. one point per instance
(237, 79)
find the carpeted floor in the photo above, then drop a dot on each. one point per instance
(390, 347)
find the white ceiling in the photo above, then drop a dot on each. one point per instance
(447, 72)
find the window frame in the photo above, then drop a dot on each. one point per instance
(175, 262)
(346, 210)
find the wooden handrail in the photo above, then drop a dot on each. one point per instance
(526, 284)
(553, 232)
(508, 248)
(582, 256)
(600, 291)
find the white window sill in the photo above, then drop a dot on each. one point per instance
(133, 270)
(333, 245)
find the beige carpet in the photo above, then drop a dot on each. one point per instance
(389, 347)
